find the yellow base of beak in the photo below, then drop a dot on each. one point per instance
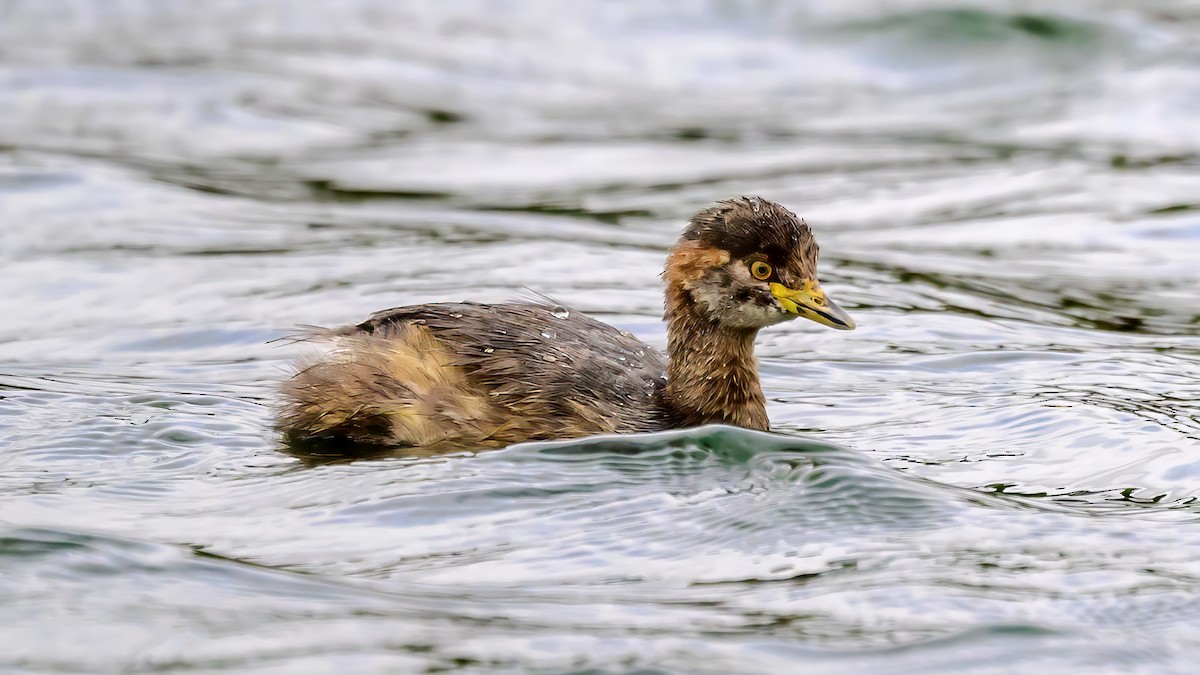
(810, 302)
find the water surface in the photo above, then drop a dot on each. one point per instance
(998, 471)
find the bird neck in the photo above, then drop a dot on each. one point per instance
(712, 376)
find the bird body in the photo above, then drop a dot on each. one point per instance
(477, 374)
(469, 375)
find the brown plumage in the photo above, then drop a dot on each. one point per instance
(468, 375)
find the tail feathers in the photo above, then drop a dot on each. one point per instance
(345, 399)
(375, 390)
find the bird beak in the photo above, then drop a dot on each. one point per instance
(810, 302)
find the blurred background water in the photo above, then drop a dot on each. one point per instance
(998, 471)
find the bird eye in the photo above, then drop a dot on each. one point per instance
(760, 270)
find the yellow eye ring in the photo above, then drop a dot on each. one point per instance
(760, 270)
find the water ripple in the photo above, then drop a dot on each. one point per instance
(997, 471)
